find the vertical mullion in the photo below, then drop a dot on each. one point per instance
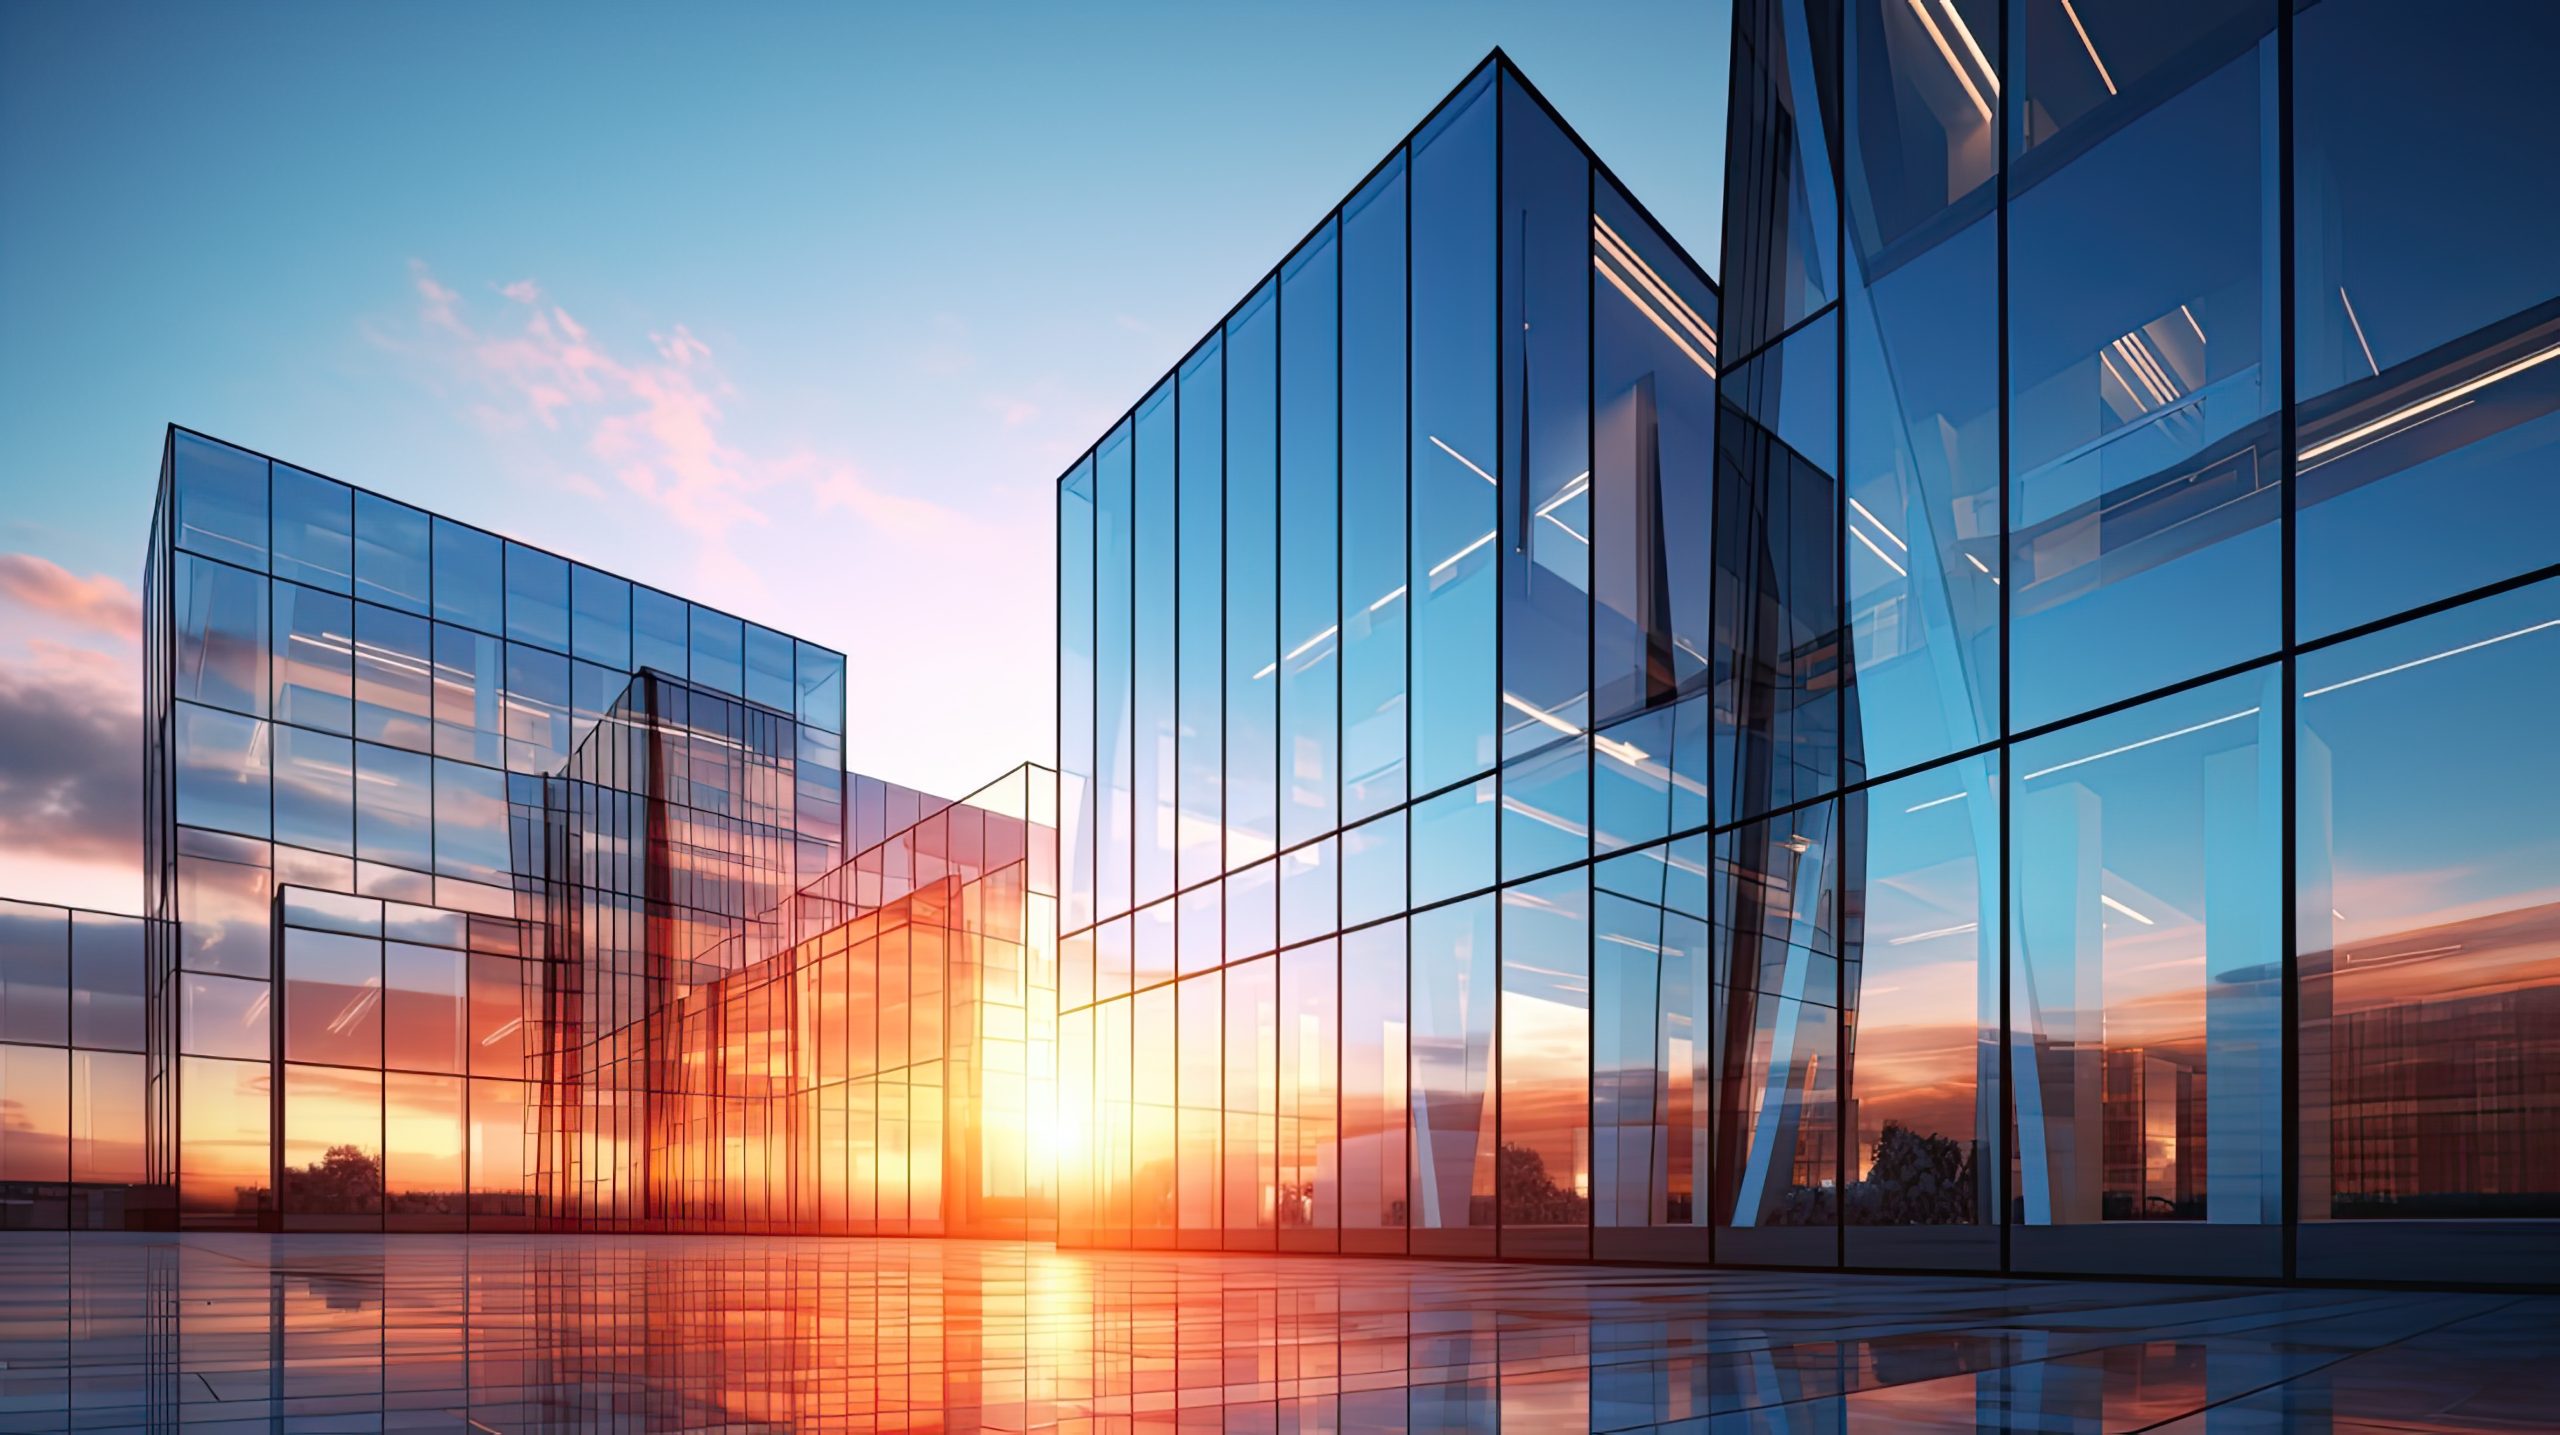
(2288, 915)
(2005, 1118)
(1412, 630)
(1495, 1075)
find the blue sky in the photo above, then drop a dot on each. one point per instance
(795, 310)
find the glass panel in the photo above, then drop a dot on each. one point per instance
(222, 771)
(222, 501)
(1653, 461)
(224, 910)
(1781, 251)
(1546, 805)
(1200, 929)
(537, 710)
(471, 823)
(1310, 539)
(109, 1114)
(313, 663)
(422, 1138)
(35, 1140)
(1456, 498)
(314, 529)
(1253, 580)
(1373, 870)
(1309, 893)
(1252, 1103)
(1453, 843)
(332, 1147)
(1652, 1035)
(2428, 476)
(1077, 798)
(2429, 989)
(221, 1016)
(2144, 481)
(470, 577)
(1199, 1078)
(1115, 750)
(600, 617)
(1452, 1002)
(1923, 542)
(1546, 431)
(496, 1037)
(394, 678)
(35, 973)
(659, 632)
(1151, 939)
(222, 635)
(819, 674)
(1546, 1053)
(470, 710)
(391, 554)
(1777, 550)
(717, 650)
(1778, 1116)
(1200, 621)
(1374, 455)
(1151, 1101)
(1309, 1042)
(1114, 958)
(769, 678)
(2093, 67)
(332, 998)
(1649, 776)
(108, 971)
(1923, 982)
(537, 597)
(2144, 886)
(1373, 1079)
(1151, 777)
(222, 1164)
(497, 1142)
(423, 1007)
(393, 807)
(315, 796)
(1923, 96)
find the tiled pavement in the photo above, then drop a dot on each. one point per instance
(508, 1333)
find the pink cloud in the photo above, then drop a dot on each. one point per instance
(97, 603)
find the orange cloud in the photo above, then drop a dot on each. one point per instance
(97, 603)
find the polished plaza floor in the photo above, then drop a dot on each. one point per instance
(508, 1333)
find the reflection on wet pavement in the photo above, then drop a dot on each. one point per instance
(508, 1333)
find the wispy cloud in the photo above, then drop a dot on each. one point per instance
(97, 604)
(71, 775)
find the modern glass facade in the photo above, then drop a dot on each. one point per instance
(2003, 741)
(487, 890)
(71, 1068)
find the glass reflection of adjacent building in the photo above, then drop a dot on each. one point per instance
(2003, 740)
(485, 889)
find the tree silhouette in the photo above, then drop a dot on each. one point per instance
(345, 1179)
(1915, 1180)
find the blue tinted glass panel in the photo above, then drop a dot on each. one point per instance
(470, 705)
(1253, 580)
(1546, 430)
(470, 583)
(314, 529)
(1921, 129)
(393, 678)
(222, 635)
(1452, 1002)
(718, 650)
(1077, 799)
(1375, 609)
(1653, 462)
(1310, 512)
(1309, 894)
(1546, 806)
(2428, 981)
(471, 823)
(1453, 836)
(222, 770)
(1546, 1062)
(1455, 443)
(769, 668)
(599, 617)
(1375, 1069)
(819, 674)
(1200, 625)
(1115, 746)
(659, 632)
(312, 664)
(315, 801)
(537, 598)
(1649, 776)
(1781, 260)
(2425, 304)
(1373, 870)
(2145, 987)
(35, 973)
(394, 807)
(2142, 359)
(108, 972)
(1923, 539)
(391, 554)
(1152, 779)
(222, 501)
(1253, 910)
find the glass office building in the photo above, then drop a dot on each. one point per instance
(2015, 745)
(484, 891)
(71, 1068)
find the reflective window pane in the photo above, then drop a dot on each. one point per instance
(471, 834)
(1781, 256)
(1451, 1041)
(1078, 799)
(222, 770)
(537, 598)
(1310, 1192)
(313, 662)
(1545, 1179)
(1374, 598)
(470, 709)
(1310, 538)
(315, 803)
(35, 973)
(394, 678)
(470, 577)
(108, 976)
(223, 1163)
(1453, 840)
(422, 1006)
(599, 617)
(221, 501)
(393, 807)
(222, 635)
(391, 553)
(717, 650)
(332, 1143)
(422, 1138)
(660, 632)
(1253, 579)
(223, 1016)
(768, 669)
(1374, 1098)
(332, 998)
(1152, 771)
(314, 529)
